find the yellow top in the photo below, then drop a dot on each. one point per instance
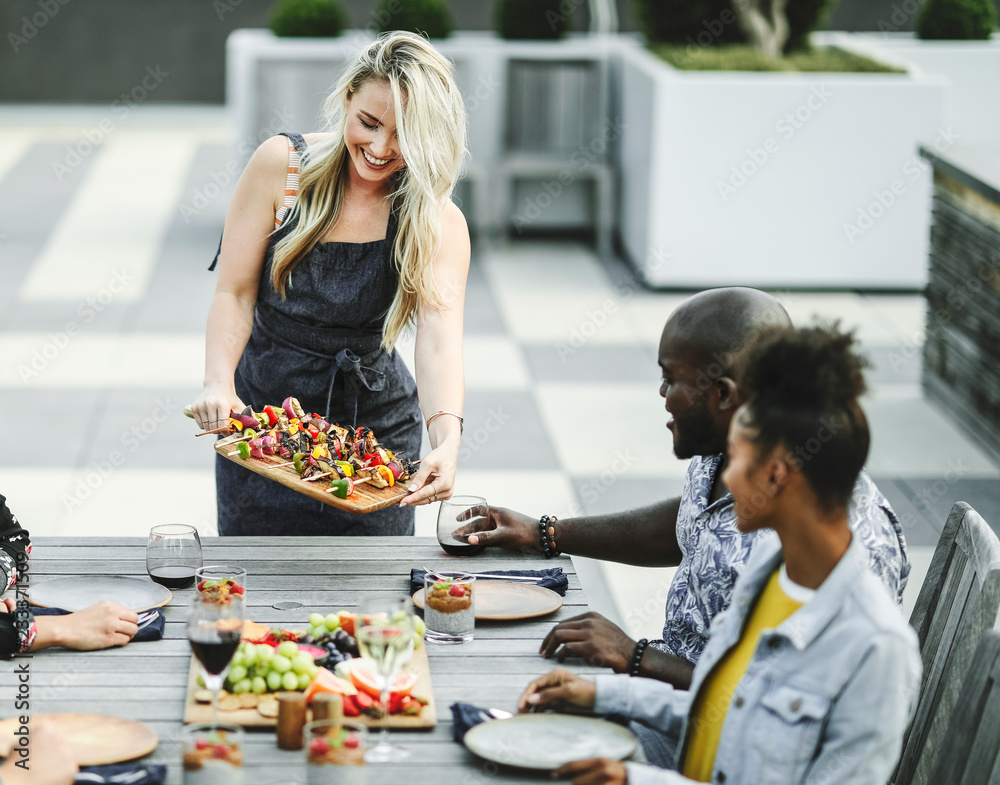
(707, 715)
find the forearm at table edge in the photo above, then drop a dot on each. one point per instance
(653, 703)
(665, 667)
(643, 537)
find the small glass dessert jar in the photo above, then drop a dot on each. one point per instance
(335, 752)
(212, 754)
(449, 607)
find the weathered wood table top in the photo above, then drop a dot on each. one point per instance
(146, 681)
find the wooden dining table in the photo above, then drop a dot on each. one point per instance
(147, 681)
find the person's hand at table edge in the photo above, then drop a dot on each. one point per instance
(435, 480)
(559, 689)
(100, 626)
(591, 636)
(594, 771)
(502, 528)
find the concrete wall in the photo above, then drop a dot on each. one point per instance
(92, 51)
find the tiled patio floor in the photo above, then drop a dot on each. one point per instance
(103, 298)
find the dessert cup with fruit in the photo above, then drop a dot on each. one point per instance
(221, 584)
(335, 753)
(449, 607)
(212, 755)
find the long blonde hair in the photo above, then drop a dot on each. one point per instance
(430, 127)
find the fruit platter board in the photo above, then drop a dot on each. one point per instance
(346, 468)
(324, 658)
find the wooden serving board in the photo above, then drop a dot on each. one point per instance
(365, 498)
(93, 739)
(195, 712)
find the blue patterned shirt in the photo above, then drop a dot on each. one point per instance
(714, 553)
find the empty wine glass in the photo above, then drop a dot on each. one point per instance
(173, 553)
(385, 635)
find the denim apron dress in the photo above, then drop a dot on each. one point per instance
(322, 345)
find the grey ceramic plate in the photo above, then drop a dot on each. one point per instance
(77, 593)
(507, 600)
(514, 741)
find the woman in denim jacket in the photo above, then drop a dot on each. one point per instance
(811, 675)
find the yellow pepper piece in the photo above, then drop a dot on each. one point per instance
(347, 467)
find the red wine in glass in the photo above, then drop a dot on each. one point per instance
(214, 648)
(173, 576)
(454, 513)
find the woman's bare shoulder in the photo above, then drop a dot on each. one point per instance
(316, 138)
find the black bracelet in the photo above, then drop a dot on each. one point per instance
(640, 647)
(547, 535)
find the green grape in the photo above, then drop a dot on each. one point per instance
(304, 679)
(281, 664)
(241, 686)
(249, 654)
(418, 625)
(316, 619)
(320, 631)
(288, 649)
(301, 662)
(201, 679)
(290, 681)
(265, 653)
(313, 670)
(332, 621)
(399, 616)
(236, 661)
(237, 674)
(258, 685)
(274, 681)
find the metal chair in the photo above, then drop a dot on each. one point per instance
(957, 603)
(970, 750)
(558, 131)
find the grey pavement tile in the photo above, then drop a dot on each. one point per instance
(35, 412)
(920, 528)
(481, 312)
(147, 429)
(504, 430)
(607, 494)
(893, 364)
(32, 201)
(606, 364)
(92, 315)
(935, 496)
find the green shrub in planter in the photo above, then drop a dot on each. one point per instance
(697, 23)
(957, 19)
(424, 17)
(804, 16)
(309, 18)
(534, 19)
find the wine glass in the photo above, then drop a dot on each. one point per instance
(456, 512)
(173, 553)
(214, 627)
(385, 635)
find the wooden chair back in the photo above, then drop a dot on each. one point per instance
(957, 603)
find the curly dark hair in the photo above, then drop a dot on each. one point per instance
(802, 389)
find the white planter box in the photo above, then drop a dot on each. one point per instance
(971, 68)
(799, 180)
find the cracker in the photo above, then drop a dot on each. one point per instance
(230, 702)
(268, 707)
(202, 696)
(249, 700)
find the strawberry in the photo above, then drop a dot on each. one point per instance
(350, 707)
(364, 700)
(353, 741)
(202, 585)
(319, 746)
(456, 590)
(201, 744)
(237, 589)
(220, 751)
(395, 701)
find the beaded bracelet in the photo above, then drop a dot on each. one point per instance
(547, 535)
(640, 647)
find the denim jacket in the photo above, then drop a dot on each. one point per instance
(826, 697)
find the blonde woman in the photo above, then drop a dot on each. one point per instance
(334, 243)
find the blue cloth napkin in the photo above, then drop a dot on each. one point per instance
(155, 774)
(151, 632)
(553, 578)
(465, 717)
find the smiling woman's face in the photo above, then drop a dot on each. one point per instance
(370, 134)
